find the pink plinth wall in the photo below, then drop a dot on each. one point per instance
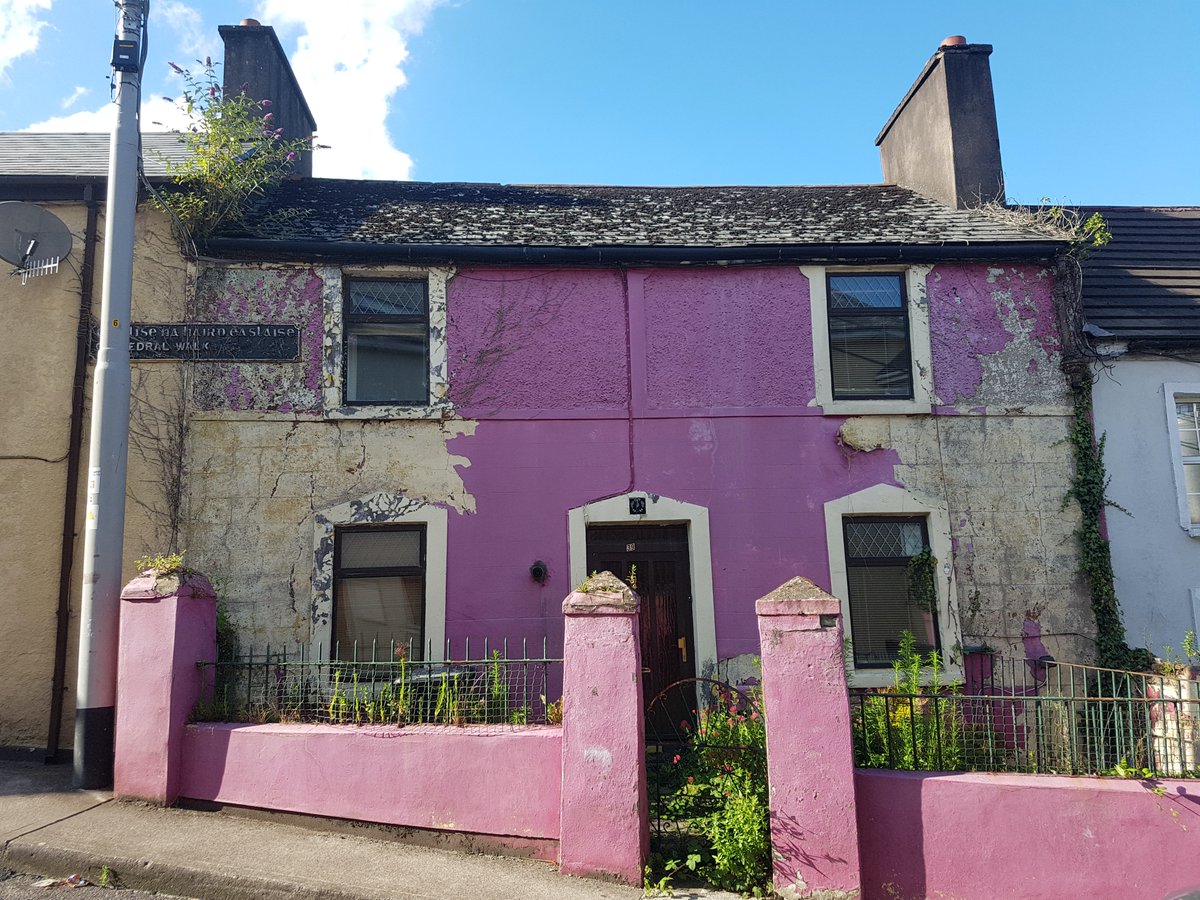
(605, 830)
(581, 786)
(163, 636)
(476, 779)
(986, 835)
(810, 760)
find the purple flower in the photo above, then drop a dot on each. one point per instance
(291, 155)
(266, 103)
(175, 68)
(268, 117)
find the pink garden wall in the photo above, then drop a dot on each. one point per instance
(985, 835)
(502, 783)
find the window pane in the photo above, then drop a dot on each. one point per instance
(880, 611)
(386, 364)
(898, 539)
(868, 356)
(379, 549)
(1191, 479)
(865, 292)
(380, 610)
(387, 298)
(1186, 410)
(1189, 442)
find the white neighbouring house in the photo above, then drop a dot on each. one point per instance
(1141, 297)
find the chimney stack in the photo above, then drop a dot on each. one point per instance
(254, 58)
(942, 140)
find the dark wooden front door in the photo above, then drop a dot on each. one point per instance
(664, 584)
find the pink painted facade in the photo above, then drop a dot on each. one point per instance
(697, 384)
(981, 835)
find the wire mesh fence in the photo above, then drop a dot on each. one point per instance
(398, 684)
(1083, 735)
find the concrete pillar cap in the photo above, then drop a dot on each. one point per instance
(153, 585)
(798, 597)
(602, 593)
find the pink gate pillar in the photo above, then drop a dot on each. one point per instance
(604, 826)
(168, 625)
(810, 759)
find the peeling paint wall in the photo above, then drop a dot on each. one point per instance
(1003, 479)
(567, 386)
(994, 337)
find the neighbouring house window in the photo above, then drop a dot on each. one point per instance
(387, 342)
(379, 589)
(882, 599)
(1187, 412)
(870, 356)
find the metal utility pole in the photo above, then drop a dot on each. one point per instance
(95, 704)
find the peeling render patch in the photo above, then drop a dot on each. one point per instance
(994, 338)
(332, 362)
(1015, 556)
(373, 509)
(266, 295)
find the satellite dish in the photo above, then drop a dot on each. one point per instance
(32, 239)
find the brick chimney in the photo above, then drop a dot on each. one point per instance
(942, 140)
(255, 58)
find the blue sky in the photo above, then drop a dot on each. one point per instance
(1098, 102)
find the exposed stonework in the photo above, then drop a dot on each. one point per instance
(1016, 556)
(257, 487)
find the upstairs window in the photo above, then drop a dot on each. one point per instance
(870, 356)
(387, 342)
(379, 589)
(882, 600)
(1187, 415)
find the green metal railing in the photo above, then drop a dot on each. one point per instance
(398, 684)
(1082, 735)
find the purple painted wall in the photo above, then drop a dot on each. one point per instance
(706, 401)
(982, 835)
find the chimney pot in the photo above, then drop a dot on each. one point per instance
(954, 40)
(258, 24)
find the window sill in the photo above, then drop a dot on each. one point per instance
(881, 678)
(440, 411)
(876, 407)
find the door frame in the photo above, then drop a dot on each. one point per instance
(659, 511)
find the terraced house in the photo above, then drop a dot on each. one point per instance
(452, 402)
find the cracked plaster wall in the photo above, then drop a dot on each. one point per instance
(265, 454)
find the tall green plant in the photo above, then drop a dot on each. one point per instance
(235, 152)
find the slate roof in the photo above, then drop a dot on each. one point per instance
(582, 216)
(81, 155)
(1144, 285)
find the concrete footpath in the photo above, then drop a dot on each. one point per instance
(49, 828)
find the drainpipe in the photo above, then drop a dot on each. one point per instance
(83, 339)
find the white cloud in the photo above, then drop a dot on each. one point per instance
(20, 29)
(196, 39)
(158, 114)
(70, 101)
(348, 61)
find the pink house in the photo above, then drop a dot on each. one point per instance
(498, 389)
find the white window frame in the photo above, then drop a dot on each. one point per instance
(660, 511)
(915, 278)
(379, 510)
(333, 371)
(1175, 392)
(889, 500)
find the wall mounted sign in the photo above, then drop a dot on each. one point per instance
(242, 343)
